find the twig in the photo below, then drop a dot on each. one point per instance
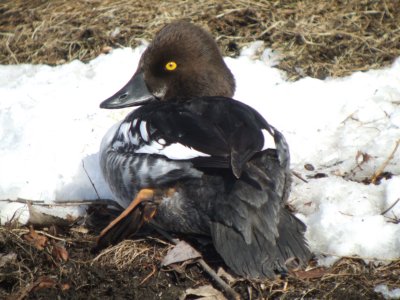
(385, 163)
(388, 260)
(48, 235)
(394, 220)
(298, 175)
(232, 294)
(227, 12)
(108, 202)
(10, 51)
(148, 276)
(390, 207)
(54, 237)
(90, 179)
(159, 241)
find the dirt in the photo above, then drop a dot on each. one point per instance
(132, 270)
(38, 274)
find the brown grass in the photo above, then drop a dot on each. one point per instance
(132, 270)
(315, 38)
(130, 254)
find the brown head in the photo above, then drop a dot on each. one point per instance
(183, 61)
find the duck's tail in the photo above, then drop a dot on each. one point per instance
(254, 232)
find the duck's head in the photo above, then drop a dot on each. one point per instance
(183, 61)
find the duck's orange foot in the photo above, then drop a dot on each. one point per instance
(142, 209)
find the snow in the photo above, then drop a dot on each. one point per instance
(347, 128)
(388, 294)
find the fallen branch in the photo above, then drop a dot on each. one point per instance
(385, 163)
(108, 202)
(228, 290)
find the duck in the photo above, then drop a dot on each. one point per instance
(190, 159)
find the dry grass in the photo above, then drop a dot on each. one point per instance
(130, 254)
(132, 269)
(316, 38)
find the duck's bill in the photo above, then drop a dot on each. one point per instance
(134, 93)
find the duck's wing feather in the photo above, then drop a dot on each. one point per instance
(251, 228)
(224, 132)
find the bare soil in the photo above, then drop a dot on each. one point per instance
(56, 262)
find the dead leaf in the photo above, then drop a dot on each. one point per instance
(106, 49)
(80, 229)
(39, 241)
(205, 292)
(181, 252)
(309, 167)
(59, 253)
(361, 158)
(310, 274)
(7, 258)
(65, 286)
(44, 282)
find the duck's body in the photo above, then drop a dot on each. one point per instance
(203, 160)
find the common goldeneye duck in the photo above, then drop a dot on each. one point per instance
(192, 160)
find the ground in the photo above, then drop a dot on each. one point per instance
(315, 38)
(57, 261)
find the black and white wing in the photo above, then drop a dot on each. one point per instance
(213, 132)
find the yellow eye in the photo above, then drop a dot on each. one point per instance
(171, 65)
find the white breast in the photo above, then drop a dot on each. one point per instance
(108, 137)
